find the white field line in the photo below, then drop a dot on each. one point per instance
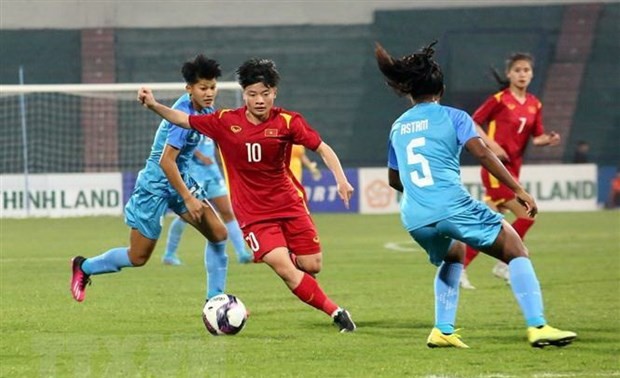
(402, 246)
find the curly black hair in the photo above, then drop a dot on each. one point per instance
(416, 75)
(200, 68)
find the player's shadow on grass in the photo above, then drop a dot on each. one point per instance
(392, 324)
(398, 327)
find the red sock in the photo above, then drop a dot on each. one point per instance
(470, 254)
(521, 225)
(310, 292)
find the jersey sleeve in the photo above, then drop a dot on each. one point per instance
(177, 136)
(392, 162)
(304, 134)
(207, 124)
(538, 128)
(487, 110)
(464, 126)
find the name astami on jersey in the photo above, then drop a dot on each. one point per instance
(415, 126)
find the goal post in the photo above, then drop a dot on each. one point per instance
(81, 128)
(84, 127)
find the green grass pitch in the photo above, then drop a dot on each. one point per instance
(146, 322)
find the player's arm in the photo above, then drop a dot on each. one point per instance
(203, 158)
(491, 162)
(551, 139)
(394, 179)
(345, 190)
(177, 117)
(493, 145)
(312, 167)
(168, 164)
(541, 138)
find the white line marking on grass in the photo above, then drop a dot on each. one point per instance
(405, 246)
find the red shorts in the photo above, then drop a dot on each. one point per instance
(494, 190)
(299, 235)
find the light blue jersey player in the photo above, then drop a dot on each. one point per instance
(430, 172)
(205, 170)
(165, 183)
(423, 163)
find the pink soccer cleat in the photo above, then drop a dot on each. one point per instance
(79, 279)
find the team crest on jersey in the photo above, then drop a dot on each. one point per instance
(235, 129)
(531, 109)
(271, 132)
(511, 106)
(316, 239)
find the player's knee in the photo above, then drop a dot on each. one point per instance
(138, 261)
(312, 269)
(219, 234)
(516, 250)
(311, 264)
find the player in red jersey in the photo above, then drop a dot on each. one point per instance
(255, 143)
(512, 116)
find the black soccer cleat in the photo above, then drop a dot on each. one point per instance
(344, 322)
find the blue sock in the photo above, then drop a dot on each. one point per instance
(526, 289)
(174, 236)
(108, 262)
(447, 295)
(236, 237)
(216, 264)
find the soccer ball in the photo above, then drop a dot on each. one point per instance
(224, 314)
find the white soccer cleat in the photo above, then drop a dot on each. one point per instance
(500, 270)
(464, 281)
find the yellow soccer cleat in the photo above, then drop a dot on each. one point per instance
(438, 340)
(547, 335)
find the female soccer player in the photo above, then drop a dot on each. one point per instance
(300, 159)
(255, 143)
(205, 170)
(511, 116)
(165, 183)
(423, 159)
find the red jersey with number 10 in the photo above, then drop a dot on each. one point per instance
(511, 123)
(255, 159)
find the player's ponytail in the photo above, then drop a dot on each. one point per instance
(502, 82)
(415, 75)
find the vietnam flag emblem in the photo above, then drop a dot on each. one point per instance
(271, 132)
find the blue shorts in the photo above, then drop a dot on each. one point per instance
(145, 211)
(215, 187)
(477, 227)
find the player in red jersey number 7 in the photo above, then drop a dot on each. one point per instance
(255, 143)
(511, 117)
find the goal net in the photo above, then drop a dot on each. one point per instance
(84, 127)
